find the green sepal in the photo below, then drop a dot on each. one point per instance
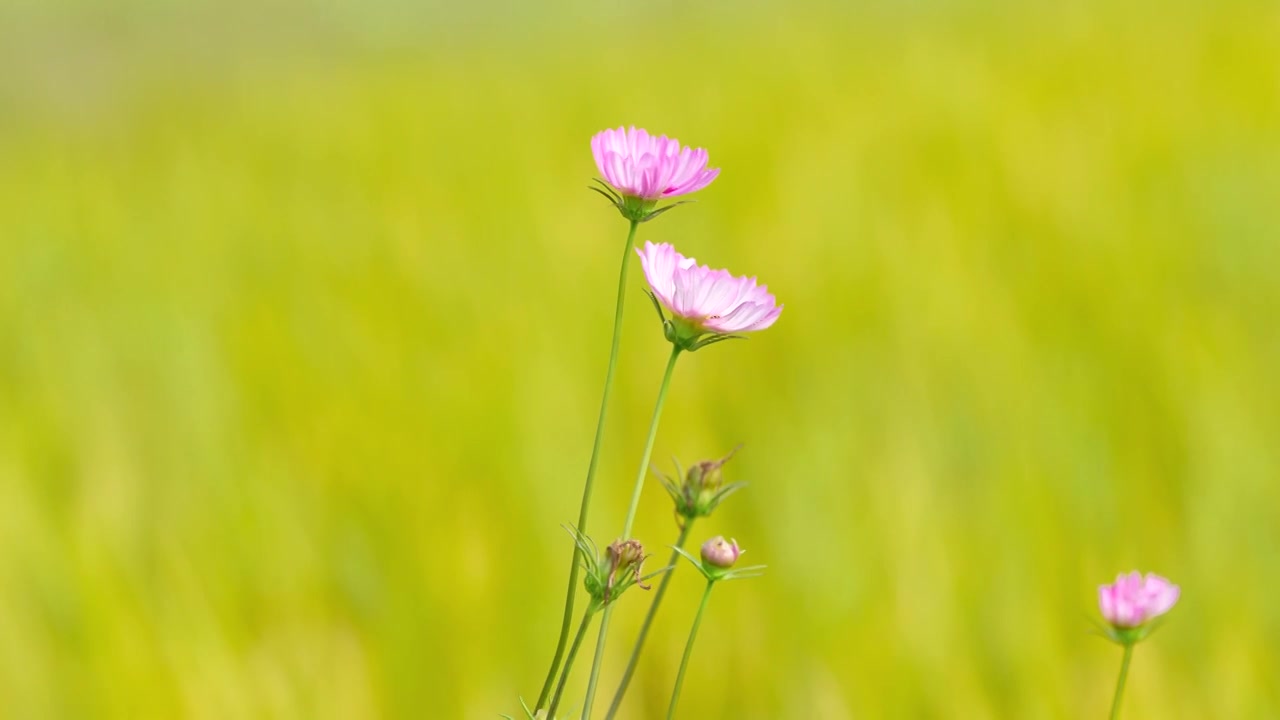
(696, 562)
(716, 574)
(657, 572)
(685, 334)
(607, 191)
(719, 497)
(1129, 636)
(658, 307)
(635, 209)
(698, 345)
(663, 209)
(527, 712)
(586, 547)
(612, 201)
(673, 490)
(749, 571)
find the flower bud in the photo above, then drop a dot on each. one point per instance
(720, 552)
(626, 557)
(706, 477)
(624, 554)
(702, 488)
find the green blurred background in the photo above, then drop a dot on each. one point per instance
(305, 311)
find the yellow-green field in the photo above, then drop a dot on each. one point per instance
(304, 314)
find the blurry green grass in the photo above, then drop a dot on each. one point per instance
(304, 332)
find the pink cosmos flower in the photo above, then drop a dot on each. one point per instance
(650, 168)
(703, 300)
(1133, 599)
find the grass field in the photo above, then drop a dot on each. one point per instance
(304, 313)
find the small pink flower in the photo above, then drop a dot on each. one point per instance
(1133, 600)
(650, 168)
(705, 300)
(720, 552)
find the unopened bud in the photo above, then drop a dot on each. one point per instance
(720, 552)
(626, 557)
(706, 476)
(702, 488)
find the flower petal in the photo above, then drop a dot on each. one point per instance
(649, 167)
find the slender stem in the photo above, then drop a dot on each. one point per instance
(688, 650)
(648, 621)
(631, 516)
(574, 564)
(1124, 673)
(648, 445)
(573, 652)
(595, 662)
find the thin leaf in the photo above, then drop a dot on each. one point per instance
(658, 572)
(725, 492)
(715, 339)
(657, 306)
(696, 563)
(606, 195)
(586, 546)
(744, 573)
(661, 210)
(617, 198)
(1149, 629)
(672, 490)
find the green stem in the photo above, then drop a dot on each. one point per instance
(573, 652)
(648, 621)
(688, 650)
(648, 444)
(1124, 673)
(574, 564)
(631, 516)
(595, 662)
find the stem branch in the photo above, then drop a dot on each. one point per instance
(573, 652)
(1124, 673)
(591, 468)
(631, 516)
(688, 650)
(648, 621)
(648, 444)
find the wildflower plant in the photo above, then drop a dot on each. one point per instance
(642, 170)
(699, 492)
(700, 306)
(707, 306)
(716, 564)
(1133, 607)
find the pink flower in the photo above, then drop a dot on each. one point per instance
(1133, 600)
(703, 300)
(650, 168)
(720, 552)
